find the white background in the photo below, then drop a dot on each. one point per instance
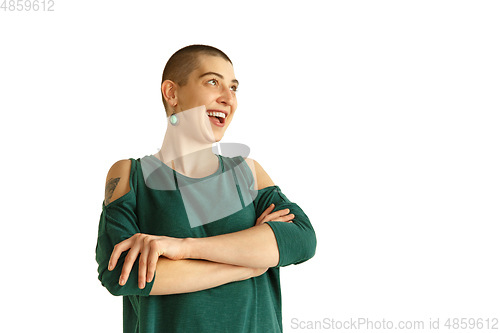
(379, 118)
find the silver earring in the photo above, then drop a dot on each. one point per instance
(174, 119)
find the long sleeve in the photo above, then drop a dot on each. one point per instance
(118, 222)
(296, 241)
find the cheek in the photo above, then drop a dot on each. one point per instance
(230, 119)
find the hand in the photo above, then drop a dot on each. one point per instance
(280, 215)
(151, 248)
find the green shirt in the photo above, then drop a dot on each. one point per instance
(164, 202)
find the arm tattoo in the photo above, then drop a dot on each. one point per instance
(110, 188)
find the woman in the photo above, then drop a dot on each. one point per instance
(179, 236)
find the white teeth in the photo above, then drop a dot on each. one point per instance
(216, 114)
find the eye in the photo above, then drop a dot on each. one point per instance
(234, 88)
(214, 81)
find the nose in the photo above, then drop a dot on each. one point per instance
(226, 96)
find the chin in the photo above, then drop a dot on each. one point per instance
(218, 134)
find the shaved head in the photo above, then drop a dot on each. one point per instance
(183, 62)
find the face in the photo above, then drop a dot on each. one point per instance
(213, 85)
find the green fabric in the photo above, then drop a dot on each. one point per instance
(164, 202)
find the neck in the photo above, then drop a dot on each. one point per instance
(187, 147)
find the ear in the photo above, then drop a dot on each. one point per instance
(169, 91)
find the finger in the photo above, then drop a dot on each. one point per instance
(117, 251)
(276, 215)
(129, 261)
(288, 217)
(266, 212)
(285, 218)
(143, 264)
(152, 260)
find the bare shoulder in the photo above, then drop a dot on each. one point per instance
(259, 174)
(117, 181)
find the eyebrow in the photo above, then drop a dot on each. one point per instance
(218, 75)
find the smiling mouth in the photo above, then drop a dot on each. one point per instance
(217, 118)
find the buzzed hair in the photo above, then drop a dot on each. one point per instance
(183, 62)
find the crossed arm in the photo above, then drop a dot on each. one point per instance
(223, 258)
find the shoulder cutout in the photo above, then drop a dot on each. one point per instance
(261, 177)
(117, 181)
